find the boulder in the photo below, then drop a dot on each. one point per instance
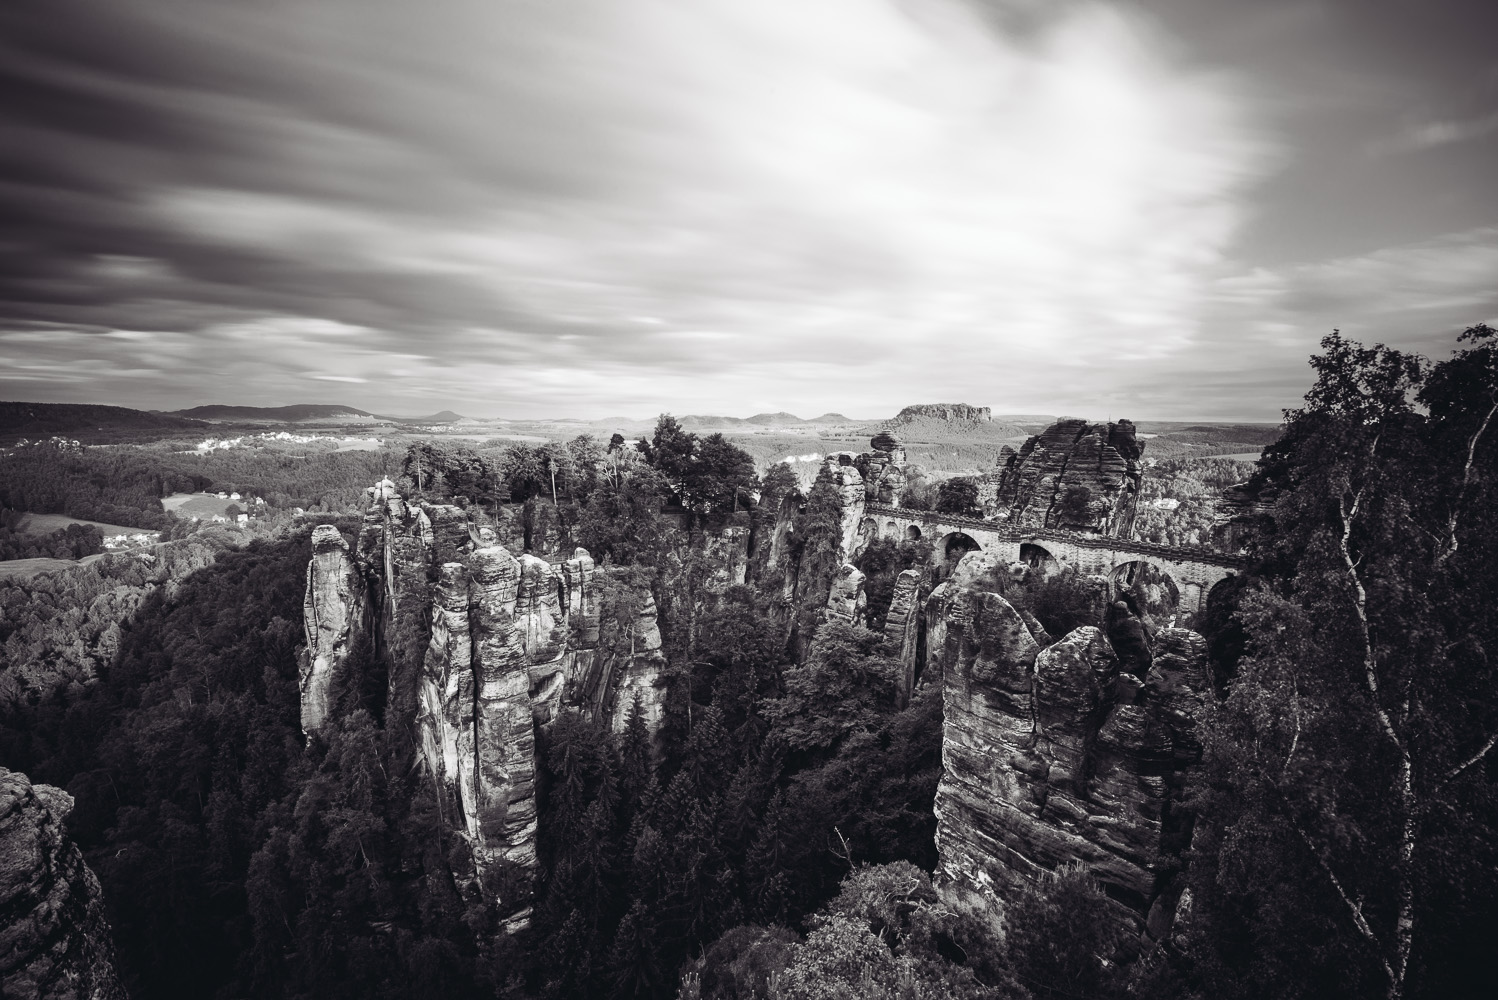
(54, 940)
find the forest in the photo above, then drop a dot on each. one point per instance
(776, 837)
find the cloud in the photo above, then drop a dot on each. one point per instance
(1260, 326)
(1438, 133)
(833, 206)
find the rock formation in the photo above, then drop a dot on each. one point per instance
(481, 647)
(333, 613)
(54, 939)
(727, 553)
(642, 667)
(1073, 476)
(1056, 753)
(847, 601)
(883, 469)
(902, 627)
(852, 495)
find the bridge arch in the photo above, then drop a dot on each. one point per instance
(1040, 559)
(913, 533)
(892, 531)
(1152, 588)
(951, 548)
(868, 531)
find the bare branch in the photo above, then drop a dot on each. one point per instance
(1404, 927)
(1456, 508)
(1295, 710)
(1354, 908)
(1479, 755)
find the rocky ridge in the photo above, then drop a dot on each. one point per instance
(54, 939)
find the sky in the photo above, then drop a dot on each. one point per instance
(590, 208)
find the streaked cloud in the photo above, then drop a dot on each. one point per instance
(595, 208)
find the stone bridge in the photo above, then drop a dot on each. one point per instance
(1194, 570)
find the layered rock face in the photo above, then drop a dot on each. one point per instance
(333, 614)
(1055, 752)
(54, 939)
(482, 646)
(1073, 476)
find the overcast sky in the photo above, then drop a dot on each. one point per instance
(604, 207)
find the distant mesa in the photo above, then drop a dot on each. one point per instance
(950, 412)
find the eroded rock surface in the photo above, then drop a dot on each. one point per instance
(1073, 476)
(54, 939)
(1054, 752)
(333, 614)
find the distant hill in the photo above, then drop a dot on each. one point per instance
(296, 412)
(85, 421)
(445, 417)
(780, 419)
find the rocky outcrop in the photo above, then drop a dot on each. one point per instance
(847, 601)
(333, 615)
(902, 628)
(1055, 753)
(726, 552)
(54, 939)
(851, 498)
(955, 412)
(1073, 476)
(641, 674)
(883, 469)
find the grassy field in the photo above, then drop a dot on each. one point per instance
(45, 524)
(199, 505)
(25, 569)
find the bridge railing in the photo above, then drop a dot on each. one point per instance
(1175, 553)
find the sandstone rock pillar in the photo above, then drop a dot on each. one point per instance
(333, 614)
